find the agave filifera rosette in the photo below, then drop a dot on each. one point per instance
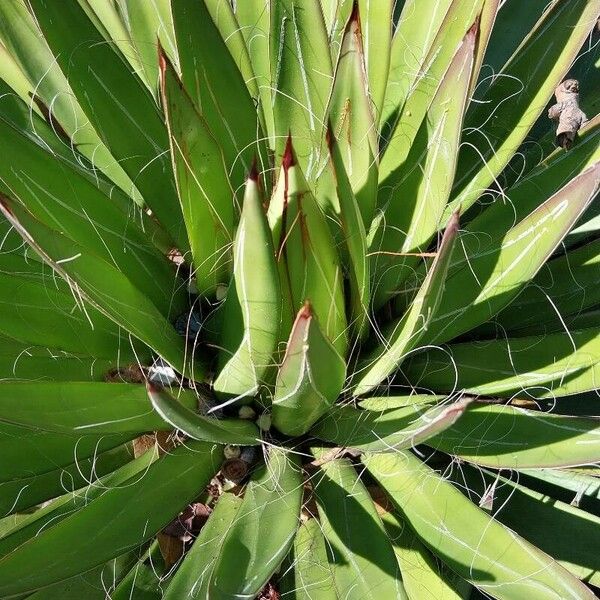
(298, 299)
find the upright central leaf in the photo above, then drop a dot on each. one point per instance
(306, 252)
(310, 378)
(253, 305)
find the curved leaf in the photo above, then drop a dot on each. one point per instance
(88, 276)
(309, 379)
(473, 544)
(507, 437)
(403, 335)
(411, 216)
(386, 430)
(361, 557)
(493, 277)
(199, 427)
(519, 94)
(308, 574)
(122, 518)
(263, 529)
(563, 531)
(251, 329)
(203, 186)
(117, 103)
(217, 89)
(542, 366)
(351, 115)
(81, 407)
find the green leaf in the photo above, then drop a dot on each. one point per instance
(310, 268)
(519, 94)
(203, 185)
(91, 585)
(387, 402)
(192, 578)
(249, 339)
(360, 554)
(28, 452)
(144, 580)
(309, 379)
(198, 427)
(404, 335)
(223, 15)
(254, 20)
(217, 89)
(71, 204)
(308, 573)
(472, 543)
(571, 537)
(301, 73)
(121, 519)
(13, 78)
(117, 104)
(263, 529)
(351, 117)
(386, 430)
(354, 238)
(459, 18)
(35, 313)
(412, 215)
(500, 437)
(563, 289)
(18, 113)
(26, 44)
(88, 275)
(424, 578)
(90, 408)
(542, 366)
(64, 506)
(528, 194)
(19, 494)
(494, 276)
(417, 27)
(148, 22)
(376, 25)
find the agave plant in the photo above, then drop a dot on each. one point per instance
(299, 299)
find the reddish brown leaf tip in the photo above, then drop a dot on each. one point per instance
(355, 14)
(474, 29)
(288, 159)
(4, 203)
(306, 311)
(329, 137)
(453, 222)
(253, 174)
(163, 59)
(153, 388)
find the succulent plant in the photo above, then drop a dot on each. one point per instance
(299, 299)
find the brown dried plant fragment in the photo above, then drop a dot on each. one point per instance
(566, 112)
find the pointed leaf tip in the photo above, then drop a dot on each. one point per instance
(253, 173)
(454, 222)
(306, 311)
(4, 200)
(329, 136)
(355, 14)
(289, 159)
(474, 29)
